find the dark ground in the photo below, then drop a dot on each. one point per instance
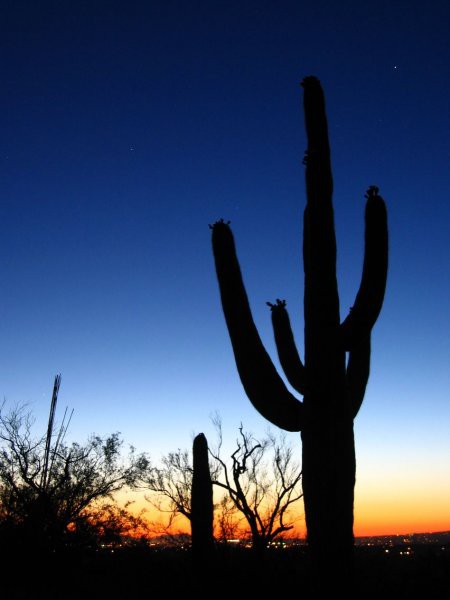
(143, 572)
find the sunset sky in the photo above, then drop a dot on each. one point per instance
(128, 127)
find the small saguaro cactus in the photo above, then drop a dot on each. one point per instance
(333, 377)
(201, 500)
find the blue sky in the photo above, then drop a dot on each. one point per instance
(128, 127)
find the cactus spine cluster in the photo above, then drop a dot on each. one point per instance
(333, 377)
(201, 500)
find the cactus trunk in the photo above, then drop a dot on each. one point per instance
(328, 471)
(335, 371)
(201, 501)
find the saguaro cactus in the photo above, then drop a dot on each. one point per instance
(201, 500)
(332, 384)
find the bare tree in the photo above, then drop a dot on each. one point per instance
(262, 480)
(170, 486)
(227, 519)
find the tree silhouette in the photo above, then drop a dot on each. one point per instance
(333, 385)
(259, 482)
(108, 524)
(262, 481)
(47, 485)
(170, 485)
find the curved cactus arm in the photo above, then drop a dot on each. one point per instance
(262, 384)
(287, 350)
(369, 298)
(357, 375)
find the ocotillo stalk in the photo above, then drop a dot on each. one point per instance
(201, 501)
(332, 383)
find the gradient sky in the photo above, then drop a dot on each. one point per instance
(128, 127)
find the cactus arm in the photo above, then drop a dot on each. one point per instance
(357, 374)
(287, 350)
(369, 298)
(262, 384)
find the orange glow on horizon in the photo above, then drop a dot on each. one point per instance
(382, 507)
(389, 503)
(374, 516)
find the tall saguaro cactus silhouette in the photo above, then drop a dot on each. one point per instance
(201, 501)
(333, 377)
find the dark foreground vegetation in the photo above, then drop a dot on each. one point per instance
(146, 572)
